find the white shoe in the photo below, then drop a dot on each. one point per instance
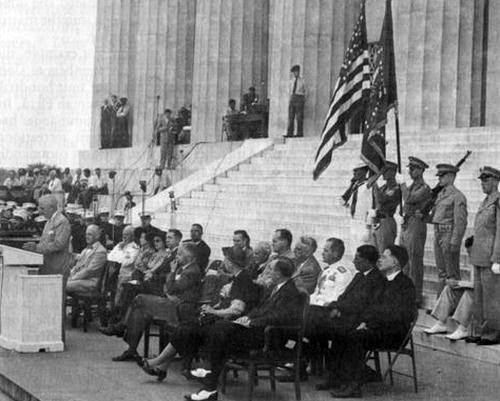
(202, 395)
(200, 373)
(439, 327)
(459, 334)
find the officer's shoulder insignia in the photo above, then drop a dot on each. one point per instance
(342, 269)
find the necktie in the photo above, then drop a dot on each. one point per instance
(294, 86)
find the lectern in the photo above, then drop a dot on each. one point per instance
(30, 304)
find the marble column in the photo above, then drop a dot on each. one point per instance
(231, 51)
(144, 51)
(479, 57)
(493, 67)
(314, 34)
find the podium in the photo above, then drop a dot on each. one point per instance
(30, 304)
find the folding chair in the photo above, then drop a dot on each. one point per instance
(269, 360)
(406, 348)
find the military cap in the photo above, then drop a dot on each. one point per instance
(488, 171)
(20, 213)
(40, 219)
(29, 205)
(145, 214)
(119, 213)
(13, 204)
(415, 161)
(73, 210)
(104, 210)
(2, 202)
(445, 168)
(296, 67)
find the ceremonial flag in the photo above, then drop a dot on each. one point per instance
(350, 93)
(383, 96)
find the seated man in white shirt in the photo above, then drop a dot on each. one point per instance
(331, 283)
(86, 273)
(124, 253)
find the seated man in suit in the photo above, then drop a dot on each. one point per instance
(86, 273)
(226, 338)
(182, 292)
(383, 324)
(308, 268)
(202, 249)
(260, 258)
(346, 300)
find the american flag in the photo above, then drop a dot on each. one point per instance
(383, 96)
(351, 89)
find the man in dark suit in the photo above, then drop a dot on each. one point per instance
(382, 324)
(182, 292)
(344, 314)
(202, 249)
(225, 338)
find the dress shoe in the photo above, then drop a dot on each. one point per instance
(472, 339)
(152, 371)
(352, 390)
(371, 375)
(126, 357)
(438, 328)
(487, 341)
(202, 395)
(459, 334)
(200, 373)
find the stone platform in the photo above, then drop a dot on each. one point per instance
(85, 372)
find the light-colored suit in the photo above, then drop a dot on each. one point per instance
(85, 275)
(54, 245)
(307, 273)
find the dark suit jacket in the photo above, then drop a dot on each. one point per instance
(187, 286)
(362, 290)
(393, 314)
(203, 254)
(283, 307)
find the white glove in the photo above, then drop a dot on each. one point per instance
(399, 219)
(400, 179)
(495, 268)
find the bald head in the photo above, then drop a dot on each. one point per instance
(92, 234)
(47, 205)
(261, 252)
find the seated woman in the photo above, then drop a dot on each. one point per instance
(237, 298)
(148, 277)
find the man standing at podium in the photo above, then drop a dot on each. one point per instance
(54, 242)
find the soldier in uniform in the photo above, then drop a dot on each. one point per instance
(387, 199)
(485, 256)
(414, 227)
(449, 217)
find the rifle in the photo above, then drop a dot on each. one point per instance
(438, 188)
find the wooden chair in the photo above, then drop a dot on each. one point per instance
(405, 348)
(270, 360)
(93, 301)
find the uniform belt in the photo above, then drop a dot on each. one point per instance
(443, 228)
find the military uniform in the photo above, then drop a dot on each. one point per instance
(449, 217)
(387, 200)
(484, 251)
(414, 227)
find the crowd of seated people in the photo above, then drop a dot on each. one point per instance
(217, 309)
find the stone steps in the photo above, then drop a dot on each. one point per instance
(275, 189)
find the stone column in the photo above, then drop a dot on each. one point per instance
(493, 67)
(314, 34)
(230, 56)
(144, 49)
